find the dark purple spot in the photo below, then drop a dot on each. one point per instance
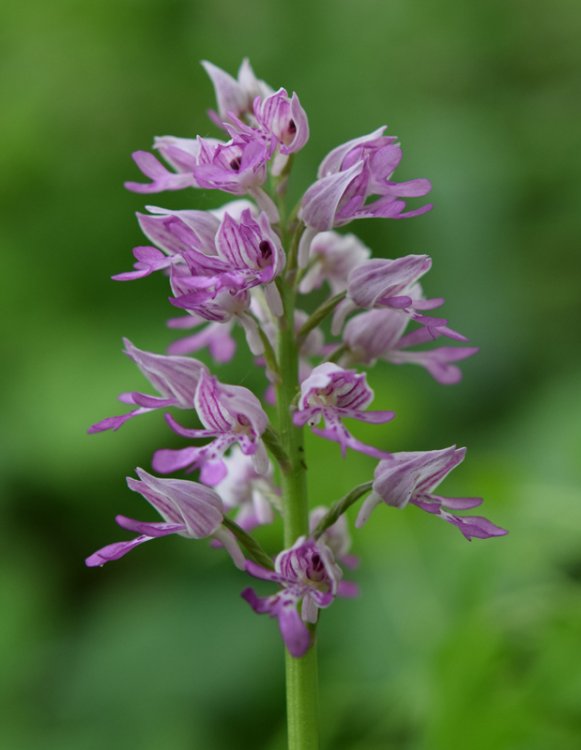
(235, 163)
(316, 561)
(292, 128)
(265, 249)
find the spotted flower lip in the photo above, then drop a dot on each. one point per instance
(309, 576)
(174, 378)
(413, 477)
(241, 253)
(235, 167)
(331, 393)
(189, 509)
(214, 261)
(177, 233)
(379, 334)
(229, 414)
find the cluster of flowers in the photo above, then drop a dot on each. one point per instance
(227, 266)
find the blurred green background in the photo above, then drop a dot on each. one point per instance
(452, 645)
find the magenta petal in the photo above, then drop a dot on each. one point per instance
(348, 589)
(261, 605)
(148, 528)
(294, 632)
(166, 461)
(458, 503)
(213, 472)
(373, 417)
(475, 527)
(114, 423)
(263, 573)
(114, 551)
(346, 440)
(321, 200)
(186, 432)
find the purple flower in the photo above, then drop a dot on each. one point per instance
(284, 118)
(188, 509)
(235, 96)
(178, 233)
(238, 166)
(352, 173)
(230, 414)
(332, 393)
(251, 492)
(174, 378)
(379, 334)
(333, 257)
(308, 575)
(242, 253)
(384, 283)
(412, 478)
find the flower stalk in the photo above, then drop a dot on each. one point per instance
(247, 264)
(301, 673)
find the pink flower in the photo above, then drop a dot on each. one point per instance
(229, 414)
(188, 509)
(413, 477)
(309, 576)
(331, 393)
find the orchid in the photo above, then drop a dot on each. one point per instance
(188, 509)
(250, 263)
(309, 576)
(230, 414)
(412, 478)
(331, 393)
(235, 96)
(175, 378)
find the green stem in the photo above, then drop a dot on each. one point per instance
(250, 544)
(301, 674)
(302, 700)
(338, 353)
(272, 442)
(319, 315)
(337, 509)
